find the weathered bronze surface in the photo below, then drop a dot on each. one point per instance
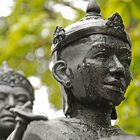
(92, 64)
(15, 90)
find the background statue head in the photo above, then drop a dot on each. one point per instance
(15, 90)
(91, 61)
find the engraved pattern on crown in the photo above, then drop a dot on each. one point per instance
(12, 78)
(59, 35)
(7, 75)
(90, 17)
(116, 22)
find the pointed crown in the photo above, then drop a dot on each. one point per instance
(92, 23)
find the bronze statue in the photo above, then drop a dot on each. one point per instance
(92, 64)
(16, 104)
(15, 91)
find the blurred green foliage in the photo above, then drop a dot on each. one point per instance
(25, 43)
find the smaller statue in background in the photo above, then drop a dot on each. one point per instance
(15, 91)
(16, 97)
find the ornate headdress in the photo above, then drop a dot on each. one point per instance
(92, 23)
(15, 79)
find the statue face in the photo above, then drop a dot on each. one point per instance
(9, 98)
(98, 67)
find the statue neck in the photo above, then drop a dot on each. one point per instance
(95, 117)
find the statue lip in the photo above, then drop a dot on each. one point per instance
(9, 117)
(115, 85)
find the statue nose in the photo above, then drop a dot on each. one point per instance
(10, 102)
(116, 67)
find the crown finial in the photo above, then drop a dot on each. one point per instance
(5, 68)
(93, 7)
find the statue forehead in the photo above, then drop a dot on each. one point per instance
(101, 39)
(15, 89)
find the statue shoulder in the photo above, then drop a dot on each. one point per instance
(46, 130)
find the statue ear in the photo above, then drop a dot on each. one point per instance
(59, 73)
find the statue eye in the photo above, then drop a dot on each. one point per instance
(126, 60)
(100, 55)
(22, 99)
(2, 97)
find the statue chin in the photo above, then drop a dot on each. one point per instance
(5, 130)
(114, 101)
(7, 126)
(104, 99)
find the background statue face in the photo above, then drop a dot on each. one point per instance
(98, 67)
(9, 98)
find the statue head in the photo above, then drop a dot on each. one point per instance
(92, 60)
(15, 90)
